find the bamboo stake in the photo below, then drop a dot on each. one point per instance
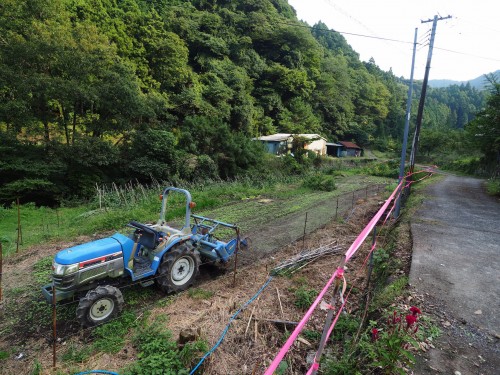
(336, 209)
(281, 306)
(304, 235)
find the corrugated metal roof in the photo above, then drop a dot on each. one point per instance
(333, 144)
(274, 137)
(279, 137)
(349, 145)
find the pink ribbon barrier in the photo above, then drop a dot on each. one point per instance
(338, 273)
(364, 233)
(315, 365)
(274, 365)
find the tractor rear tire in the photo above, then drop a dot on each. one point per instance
(99, 306)
(178, 269)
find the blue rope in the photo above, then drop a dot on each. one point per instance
(97, 372)
(229, 324)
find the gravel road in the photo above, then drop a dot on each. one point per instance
(456, 248)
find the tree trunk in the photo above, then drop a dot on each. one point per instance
(74, 125)
(46, 131)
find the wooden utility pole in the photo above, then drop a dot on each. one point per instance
(424, 91)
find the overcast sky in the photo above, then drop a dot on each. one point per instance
(473, 33)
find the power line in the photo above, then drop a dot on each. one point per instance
(345, 32)
(467, 54)
(421, 44)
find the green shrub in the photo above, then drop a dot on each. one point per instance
(469, 165)
(320, 182)
(386, 169)
(493, 186)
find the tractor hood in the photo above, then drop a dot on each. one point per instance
(95, 249)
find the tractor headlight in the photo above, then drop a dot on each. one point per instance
(64, 269)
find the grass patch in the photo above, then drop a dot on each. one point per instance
(198, 293)
(42, 270)
(4, 355)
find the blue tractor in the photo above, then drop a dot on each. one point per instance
(150, 253)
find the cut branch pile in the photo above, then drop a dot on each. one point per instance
(302, 259)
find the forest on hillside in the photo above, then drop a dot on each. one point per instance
(96, 91)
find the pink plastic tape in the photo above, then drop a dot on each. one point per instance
(274, 365)
(364, 233)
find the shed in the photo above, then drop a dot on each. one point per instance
(333, 149)
(350, 149)
(281, 143)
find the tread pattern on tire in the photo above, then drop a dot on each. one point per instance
(93, 295)
(169, 258)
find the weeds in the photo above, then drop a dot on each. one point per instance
(304, 297)
(42, 270)
(110, 337)
(159, 354)
(198, 293)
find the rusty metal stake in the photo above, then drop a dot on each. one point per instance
(236, 256)
(337, 208)
(370, 264)
(54, 325)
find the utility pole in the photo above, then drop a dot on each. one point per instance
(424, 91)
(407, 127)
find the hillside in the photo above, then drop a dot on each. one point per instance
(478, 83)
(97, 91)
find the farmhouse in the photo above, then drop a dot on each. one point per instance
(282, 143)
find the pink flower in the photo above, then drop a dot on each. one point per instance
(374, 334)
(415, 310)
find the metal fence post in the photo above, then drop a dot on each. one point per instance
(54, 325)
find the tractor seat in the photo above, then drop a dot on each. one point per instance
(149, 237)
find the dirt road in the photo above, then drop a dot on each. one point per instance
(456, 265)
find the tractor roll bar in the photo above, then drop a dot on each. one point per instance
(164, 205)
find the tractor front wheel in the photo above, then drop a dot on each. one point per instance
(99, 305)
(178, 269)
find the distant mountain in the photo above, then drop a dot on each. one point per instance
(478, 83)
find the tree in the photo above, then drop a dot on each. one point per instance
(484, 131)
